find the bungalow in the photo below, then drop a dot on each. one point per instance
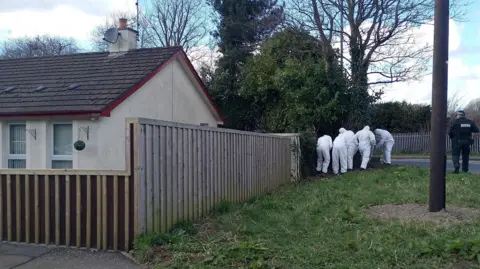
(48, 103)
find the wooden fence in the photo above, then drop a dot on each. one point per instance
(70, 208)
(184, 171)
(174, 173)
(420, 143)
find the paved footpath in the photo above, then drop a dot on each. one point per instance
(23, 256)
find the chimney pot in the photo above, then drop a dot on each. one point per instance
(122, 23)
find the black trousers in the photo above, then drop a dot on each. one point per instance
(464, 150)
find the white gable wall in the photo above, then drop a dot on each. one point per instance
(171, 95)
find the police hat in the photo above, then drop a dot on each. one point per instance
(461, 113)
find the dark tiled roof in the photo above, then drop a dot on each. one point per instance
(85, 82)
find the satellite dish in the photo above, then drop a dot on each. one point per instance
(111, 35)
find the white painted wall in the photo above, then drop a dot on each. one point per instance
(171, 95)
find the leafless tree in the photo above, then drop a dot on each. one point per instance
(453, 103)
(41, 45)
(378, 35)
(163, 23)
(177, 23)
(473, 110)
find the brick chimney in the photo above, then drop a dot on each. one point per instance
(122, 24)
(127, 39)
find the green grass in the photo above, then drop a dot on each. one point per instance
(321, 224)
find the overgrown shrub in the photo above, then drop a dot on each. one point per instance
(308, 141)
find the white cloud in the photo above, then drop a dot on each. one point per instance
(66, 18)
(463, 79)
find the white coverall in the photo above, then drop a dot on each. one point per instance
(324, 145)
(339, 154)
(366, 139)
(386, 144)
(352, 146)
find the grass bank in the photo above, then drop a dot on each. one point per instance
(322, 224)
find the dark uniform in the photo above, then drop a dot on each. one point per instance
(461, 134)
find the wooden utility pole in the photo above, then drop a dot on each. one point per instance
(439, 107)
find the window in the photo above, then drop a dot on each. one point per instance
(62, 146)
(17, 146)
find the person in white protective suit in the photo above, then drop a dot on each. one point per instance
(386, 144)
(339, 154)
(324, 145)
(366, 140)
(352, 146)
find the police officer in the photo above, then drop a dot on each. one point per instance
(461, 134)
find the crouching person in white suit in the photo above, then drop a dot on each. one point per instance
(324, 145)
(352, 146)
(339, 155)
(386, 144)
(366, 140)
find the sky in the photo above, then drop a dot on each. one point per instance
(73, 18)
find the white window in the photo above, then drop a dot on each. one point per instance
(17, 146)
(62, 146)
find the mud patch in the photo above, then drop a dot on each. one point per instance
(419, 213)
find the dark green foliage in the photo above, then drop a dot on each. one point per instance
(242, 25)
(308, 159)
(401, 117)
(292, 88)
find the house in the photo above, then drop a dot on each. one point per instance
(48, 103)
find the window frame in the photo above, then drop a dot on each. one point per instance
(60, 157)
(16, 156)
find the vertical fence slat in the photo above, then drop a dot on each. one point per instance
(99, 212)
(180, 176)
(164, 149)
(68, 229)
(27, 209)
(104, 213)
(115, 212)
(78, 225)
(19, 208)
(57, 210)
(198, 188)
(37, 210)
(47, 209)
(186, 175)
(174, 177)
(88, 222)
(127, 211)
(156, 180)
(9, 208)
(206, 170)
(169, 179)
(191, 176)
(149, 178)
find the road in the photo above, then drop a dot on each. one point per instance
(474, 165)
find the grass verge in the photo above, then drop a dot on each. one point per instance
(322, 224)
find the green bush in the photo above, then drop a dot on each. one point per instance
(308, 141)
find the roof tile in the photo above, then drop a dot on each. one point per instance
(102, 78)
